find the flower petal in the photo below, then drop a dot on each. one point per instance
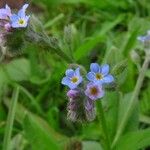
(15, 25)
(66, 81)
(79, 80)
(94, 67)
(90, 76)
(101, 94)
(105, 69)
(14, 18)
(69, 73)
(21, 12)
(77, 71)
(108, 79)
(8, 10)
(3, 13)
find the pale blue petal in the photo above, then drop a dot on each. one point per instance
(14, 18)
(79, 80)
(77, 71)
(15, 25)
(21, 12)
(94, 67)
(90, 76)
(3, 13)
(69, 73)
(144, 38)
(8, 10)
(105, 69)
(27, 18)
(101, 94)
(72, 86)
(108, 79)
(25, 6)
(65, 81)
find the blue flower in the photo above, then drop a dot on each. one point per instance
(99, 74)
(20, 20)
(72, 79)
(145, 38)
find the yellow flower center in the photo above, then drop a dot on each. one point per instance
(99, 76)
(93, 91)
(74, 79)
(21, 21)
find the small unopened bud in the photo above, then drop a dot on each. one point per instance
(135, 57)
(69, 33)
(119, 68)
(73, 94)
(90, 109)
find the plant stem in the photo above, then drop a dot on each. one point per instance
(10, 119)
(58, 51)
(104, 126)
(133, 99)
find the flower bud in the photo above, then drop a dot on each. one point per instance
(135, 57)
(72, 94)
(119, 68)
(90, 109)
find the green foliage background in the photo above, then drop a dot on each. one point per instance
(102, 31)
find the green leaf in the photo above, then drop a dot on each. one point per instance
(18, 70)
(90, 145)
(111, 101)
(145, 103)
(134, 140)
(134, 119)
(38, 135)
(18, 142)
(148, 73)
(3, 82)
(132, 39)
(97, 37)
(87, 46)
(145, 119)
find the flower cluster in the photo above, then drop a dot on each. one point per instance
(83, 93)
(10, 20)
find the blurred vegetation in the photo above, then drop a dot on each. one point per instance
(100, 31)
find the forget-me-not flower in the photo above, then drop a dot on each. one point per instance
(72, 79)
(20, 20)
(99, 74)
(94, 91)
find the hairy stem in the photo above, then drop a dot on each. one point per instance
(104, 126)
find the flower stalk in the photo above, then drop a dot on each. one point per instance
(104, 126)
